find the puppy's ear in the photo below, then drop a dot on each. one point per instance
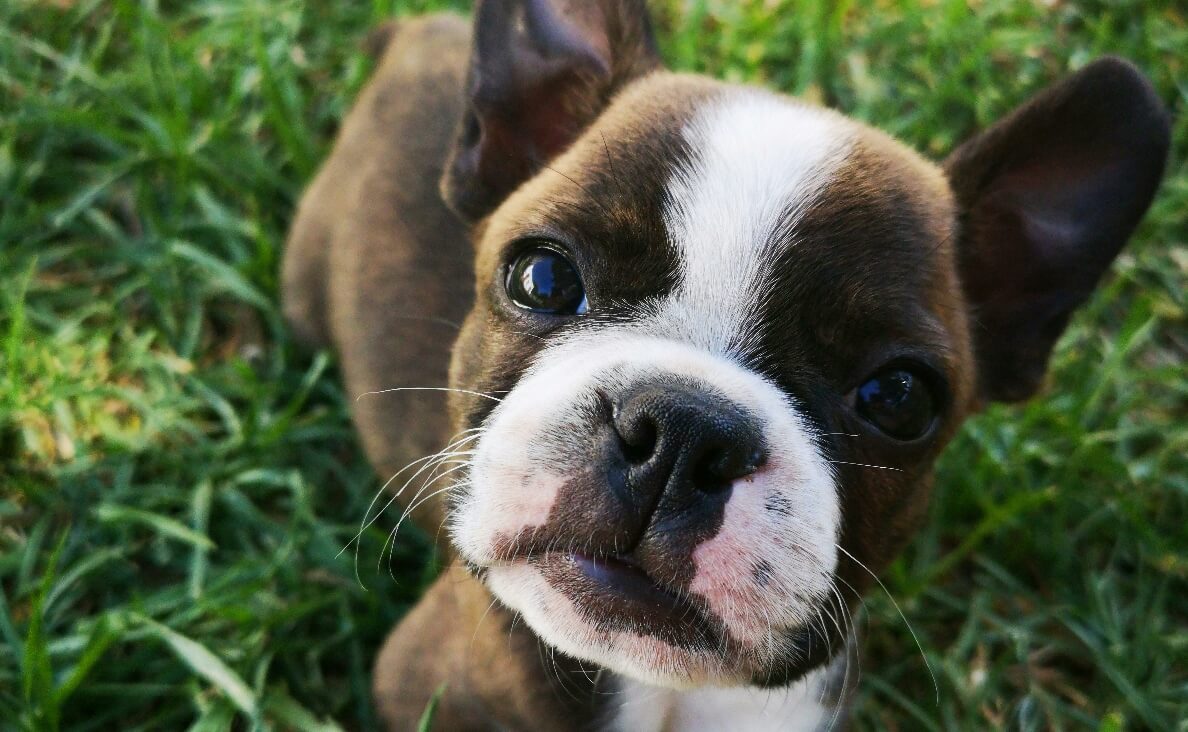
(1048, 196)
(540, 71)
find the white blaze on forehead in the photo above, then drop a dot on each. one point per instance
(758, 162)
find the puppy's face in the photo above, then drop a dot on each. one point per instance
(720, 336)
(729, 340)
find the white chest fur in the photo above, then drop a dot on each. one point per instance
(800, 707)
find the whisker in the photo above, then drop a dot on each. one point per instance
(845, 629)
(417, 501)
(449, 450)
(481, 619)
(596, 199)
(391, 540)
(865, 465)
(450, 457)
(906, 622)
(463, 437)
(429, 463)
(427, 319)
(428, 388)
(854, 651)
(611, 164)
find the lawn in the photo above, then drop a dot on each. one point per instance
(177, 479)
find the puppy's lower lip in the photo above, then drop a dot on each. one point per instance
(614, 594)
(621, 576)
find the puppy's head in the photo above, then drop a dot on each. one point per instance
(721, 335)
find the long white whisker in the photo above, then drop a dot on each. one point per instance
(428, 388)
(906, 622)
(417, 501)
(391, 540)
(429, 461)
(482, 617)
(462, 437)
(865, 465)
(844, 628)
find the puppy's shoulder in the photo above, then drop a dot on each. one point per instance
(394, 139)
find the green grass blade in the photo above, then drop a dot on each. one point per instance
(426, 722)
(206, 664)
(163, 525)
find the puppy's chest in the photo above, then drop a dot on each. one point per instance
(798, 708)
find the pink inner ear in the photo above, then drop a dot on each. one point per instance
(539, 127)
(1056, 202)
(535, 73)
(552, 127)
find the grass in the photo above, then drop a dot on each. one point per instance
(176, 479)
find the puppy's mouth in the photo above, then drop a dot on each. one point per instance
(614, 593)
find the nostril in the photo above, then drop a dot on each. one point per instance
(754, 460)
(718, 468)
(638, 440)
(707, 476)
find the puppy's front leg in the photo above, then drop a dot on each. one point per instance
(491, 670)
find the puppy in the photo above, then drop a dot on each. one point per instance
(711, 342)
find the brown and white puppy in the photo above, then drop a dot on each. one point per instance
(712, 342)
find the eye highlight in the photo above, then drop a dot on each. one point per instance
(543, 280)
(899, 401)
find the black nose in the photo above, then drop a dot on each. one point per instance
(683, 442)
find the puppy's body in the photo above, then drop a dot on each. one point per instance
(676, 489)
(376, 265)
(379, 268)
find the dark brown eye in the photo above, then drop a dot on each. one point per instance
(898, 401)
(544, 281)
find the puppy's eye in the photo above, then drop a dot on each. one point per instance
(897, 400)
(544, 281)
